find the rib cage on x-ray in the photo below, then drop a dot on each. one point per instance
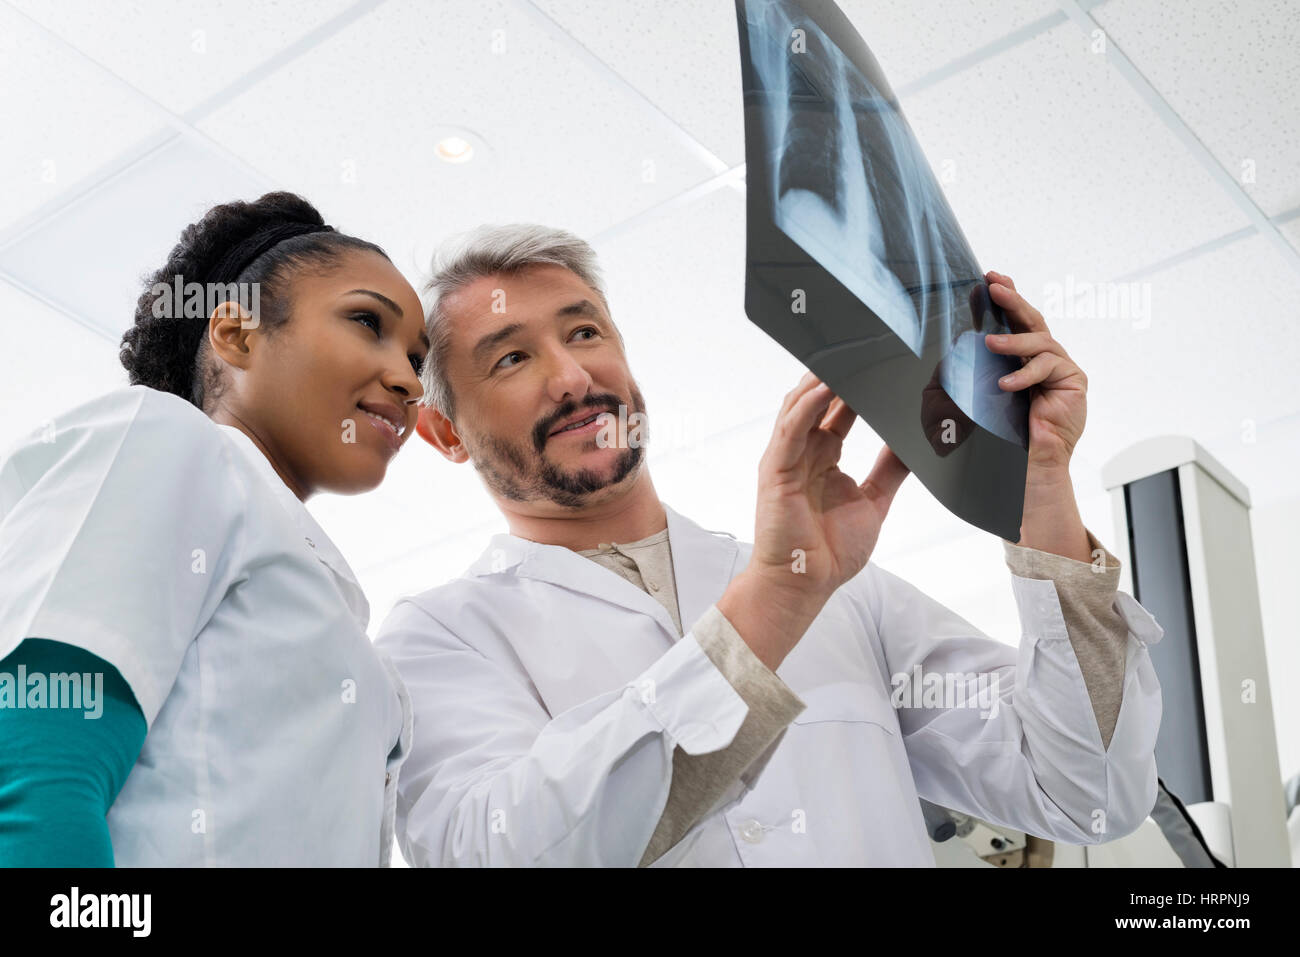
(821, 194)
(855, 263)
(853, 189)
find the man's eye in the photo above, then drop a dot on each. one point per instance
(368, 319)
(592, 329)
(502, 364)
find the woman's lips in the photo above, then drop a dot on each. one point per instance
(384, 428)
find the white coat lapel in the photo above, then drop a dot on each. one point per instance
(703, 564)
(561, 566)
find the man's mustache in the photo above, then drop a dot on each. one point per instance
(607, 402)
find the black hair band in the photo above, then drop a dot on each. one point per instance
(245, 253)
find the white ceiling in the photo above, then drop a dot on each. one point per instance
(621, 120)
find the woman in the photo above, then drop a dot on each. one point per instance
(156, 556)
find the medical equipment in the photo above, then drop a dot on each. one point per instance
(1183, 533)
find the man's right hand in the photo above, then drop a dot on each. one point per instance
(815, 527)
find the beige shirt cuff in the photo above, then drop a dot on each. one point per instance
(1097, 630)
(699, 781)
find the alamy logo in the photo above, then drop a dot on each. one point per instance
(1079, 299)
(102, 910)
(37, 690)
(946, 690)
(194, 300)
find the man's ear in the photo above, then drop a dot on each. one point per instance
(436, 429)
(229, 329)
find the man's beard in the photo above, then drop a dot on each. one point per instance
(521, 472)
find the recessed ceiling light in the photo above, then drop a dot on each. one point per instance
(455, 149)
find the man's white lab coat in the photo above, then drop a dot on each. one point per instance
(549, 694)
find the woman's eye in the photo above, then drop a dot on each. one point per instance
(417, 363)
(368, 319)
(502, 364)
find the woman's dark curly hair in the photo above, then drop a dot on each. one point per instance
(171, 353)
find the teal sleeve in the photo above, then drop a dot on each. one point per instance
(61, 768)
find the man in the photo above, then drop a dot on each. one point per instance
(610, 684)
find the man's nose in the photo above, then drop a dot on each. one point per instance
(566, 378)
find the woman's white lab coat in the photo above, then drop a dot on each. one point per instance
(140, 530)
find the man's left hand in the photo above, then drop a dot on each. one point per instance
(1058, 403)
(1057, 409)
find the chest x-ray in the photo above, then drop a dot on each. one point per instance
(857, 266)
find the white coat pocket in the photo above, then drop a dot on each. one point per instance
(847, 701)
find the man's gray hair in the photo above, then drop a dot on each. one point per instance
(487, 251)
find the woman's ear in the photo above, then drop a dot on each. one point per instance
(436, 429)
(229, 328)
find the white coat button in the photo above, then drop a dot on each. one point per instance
(654, 586)
(751, 831)
(388, 777)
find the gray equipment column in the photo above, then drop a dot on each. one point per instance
(1183, 524)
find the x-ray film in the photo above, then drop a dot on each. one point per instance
(857, 266)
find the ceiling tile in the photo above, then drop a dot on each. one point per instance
(1055, 167)
(89, 258)
(1291, 230)
(556, 142)
(179, 54)
(684, 55)
(1230, 70)
(62, 122)
(1215, 359)
(912, 38)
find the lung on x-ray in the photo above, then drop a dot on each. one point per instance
(857, 266)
